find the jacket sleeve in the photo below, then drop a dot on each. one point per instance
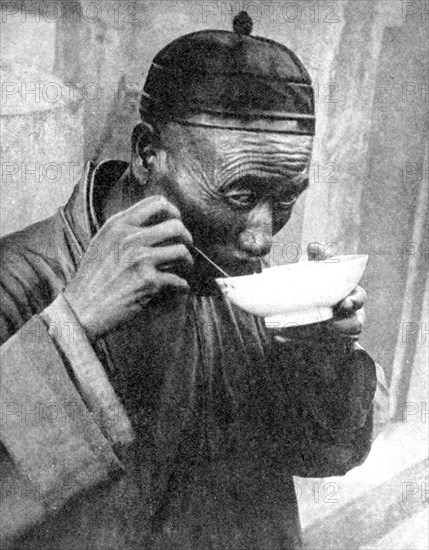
(331, 400)
(62, 426)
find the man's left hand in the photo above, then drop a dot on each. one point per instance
(349, 314)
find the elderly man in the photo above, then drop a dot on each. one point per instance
(141, 410)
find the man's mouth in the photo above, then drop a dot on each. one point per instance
(230, 256)
(240, 262)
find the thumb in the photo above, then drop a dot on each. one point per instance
(316, 252)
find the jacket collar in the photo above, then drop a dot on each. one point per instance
(80, 210)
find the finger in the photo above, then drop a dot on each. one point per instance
(171, 231)
(316, 252)
(353, 302)
(173, 281)
(172, 253)
(149, 211)
(350, 327)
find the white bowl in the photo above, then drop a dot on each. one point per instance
(296, 294)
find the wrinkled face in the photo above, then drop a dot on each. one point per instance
(235, 189)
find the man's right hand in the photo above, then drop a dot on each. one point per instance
(121, 270)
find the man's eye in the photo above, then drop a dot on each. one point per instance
(243, 199)
(287, 202)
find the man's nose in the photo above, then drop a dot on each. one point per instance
(257, 237)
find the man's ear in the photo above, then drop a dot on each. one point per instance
(144, 149)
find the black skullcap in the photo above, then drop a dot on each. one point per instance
(231, 75)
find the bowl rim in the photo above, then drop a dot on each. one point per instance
(296, 266)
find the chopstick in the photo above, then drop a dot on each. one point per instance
(224, 273)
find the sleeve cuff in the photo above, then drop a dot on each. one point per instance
(348, 381)
(89, 375)
(45, 426)
(336, 381)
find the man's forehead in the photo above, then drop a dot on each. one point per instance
(234, 137)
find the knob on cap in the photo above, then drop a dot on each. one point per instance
(242, 23)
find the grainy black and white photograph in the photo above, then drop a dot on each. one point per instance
(214, 275)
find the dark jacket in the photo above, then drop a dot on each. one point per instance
(180, 430)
